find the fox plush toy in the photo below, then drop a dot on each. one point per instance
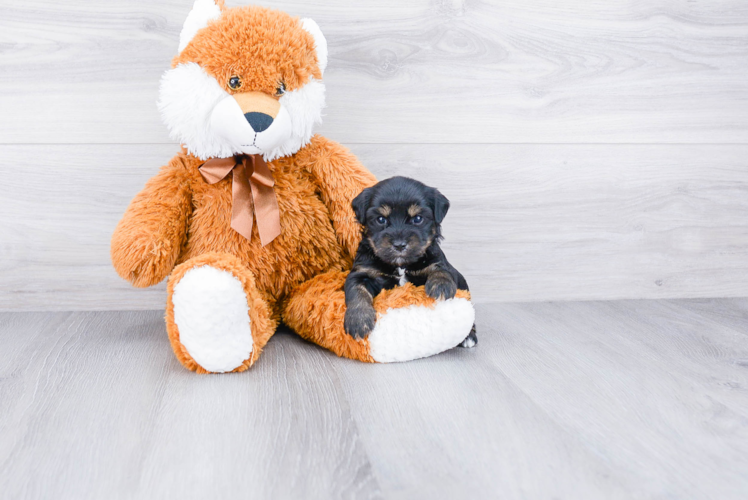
(252, 220)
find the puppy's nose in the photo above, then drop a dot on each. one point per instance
(399, 245)
(259, 121)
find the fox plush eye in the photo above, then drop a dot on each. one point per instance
(417, 219)
(280, 90)
(235, 82)
(382, 220)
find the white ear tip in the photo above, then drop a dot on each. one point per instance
(320, 44)
(202, 12)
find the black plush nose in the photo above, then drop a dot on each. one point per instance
(259, 121)
(399, 245)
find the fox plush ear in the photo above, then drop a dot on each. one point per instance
(320, 44)
(360, 205)
(202, 12)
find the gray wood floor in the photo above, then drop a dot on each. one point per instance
(578, 400)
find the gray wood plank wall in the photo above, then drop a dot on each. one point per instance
(591, 149)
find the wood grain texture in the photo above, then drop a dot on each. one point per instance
(622, 399)
(434, 90)
(94, 405)
(582, 400)
(401, 72)
(528, 222)
(634, 378)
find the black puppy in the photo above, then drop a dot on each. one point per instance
(402, 229)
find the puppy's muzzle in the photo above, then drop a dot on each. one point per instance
(399, 245)
(259, 109)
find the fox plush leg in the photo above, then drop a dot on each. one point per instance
(216, 318)
(410, 324)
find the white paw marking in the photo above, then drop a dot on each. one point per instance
(420, 331)
(468, 342)
(211, 312)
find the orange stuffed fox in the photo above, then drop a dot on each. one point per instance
(252, 220)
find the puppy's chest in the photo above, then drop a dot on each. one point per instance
(401, 276)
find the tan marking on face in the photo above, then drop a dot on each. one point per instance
(414, 210)
(258, 102)
(385, 210)
(371, 242)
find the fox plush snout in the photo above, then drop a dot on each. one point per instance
(258, 108)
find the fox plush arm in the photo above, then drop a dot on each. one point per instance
(148, 239)
(340, 178)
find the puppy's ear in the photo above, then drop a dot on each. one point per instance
(360, 205)
(439, 205)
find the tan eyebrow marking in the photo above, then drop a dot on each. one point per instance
(385, 210)
(414, 210)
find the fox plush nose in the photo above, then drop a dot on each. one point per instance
(259, 121)
(258, 108)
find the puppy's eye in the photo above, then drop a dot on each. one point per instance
(382, 220)
(280, 90)
(235, 82)
(417, 219)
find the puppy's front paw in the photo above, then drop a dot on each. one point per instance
(359, 321)
(470, 340)
(441, 286)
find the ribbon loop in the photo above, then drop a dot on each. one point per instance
(251, 191)
(261, 173)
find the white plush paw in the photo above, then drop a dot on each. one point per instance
(211, 312)
(419, 331)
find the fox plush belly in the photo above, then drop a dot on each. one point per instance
(306, 246)
(245, 89)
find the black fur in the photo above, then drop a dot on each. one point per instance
(395, 238)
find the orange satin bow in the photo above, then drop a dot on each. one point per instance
(252, 187)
